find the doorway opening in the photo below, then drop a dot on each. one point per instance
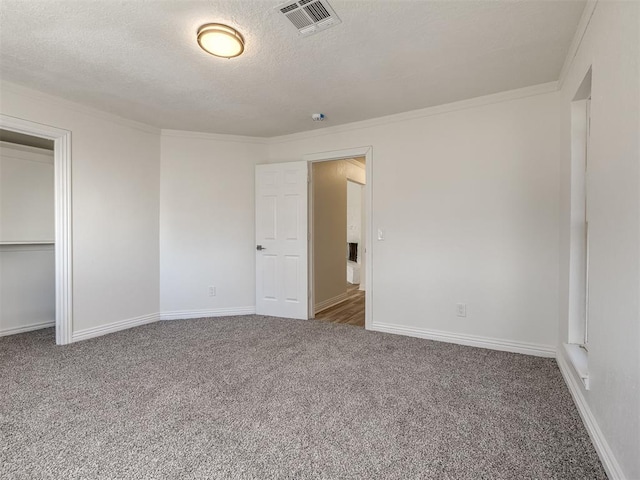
(35, 228)
(337, 220)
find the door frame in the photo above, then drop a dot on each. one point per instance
(366, 152)
(363, 228)
(63, 220)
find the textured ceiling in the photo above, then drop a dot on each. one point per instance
(140, 60)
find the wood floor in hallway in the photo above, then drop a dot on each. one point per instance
(351, 311)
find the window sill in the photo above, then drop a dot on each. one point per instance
(579, 359)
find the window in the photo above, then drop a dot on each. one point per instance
(578, 331)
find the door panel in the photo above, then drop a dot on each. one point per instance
(268, 217)
(291, 280)
(269, 277)
(281, 233)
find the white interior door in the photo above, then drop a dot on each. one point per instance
(281, 240)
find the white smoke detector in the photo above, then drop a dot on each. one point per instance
(318, 117)
(309, 16)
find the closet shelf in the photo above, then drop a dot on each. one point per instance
(44, 242)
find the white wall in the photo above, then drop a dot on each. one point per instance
(611, 45)
(26, 194)
(115, 195)
(27, 287)
(207, 223)
(330, 231)
(468, 201)
(27, 281)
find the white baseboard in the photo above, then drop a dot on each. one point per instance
(218, 312)
(469, 340)
(154, 317)
(609, 462)
(320, 306)
(114, 327)
(28, 328)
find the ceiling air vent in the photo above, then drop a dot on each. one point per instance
(309, 16)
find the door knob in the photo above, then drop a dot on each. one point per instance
(260, 247)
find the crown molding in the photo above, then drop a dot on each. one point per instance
(506, 96)
(219, 137)
(337, 154)
(78, 107)
(581, 30)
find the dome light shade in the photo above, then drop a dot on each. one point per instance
(220, 40)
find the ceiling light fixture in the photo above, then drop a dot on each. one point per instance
(220, 40)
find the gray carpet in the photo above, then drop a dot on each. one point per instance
(258, 397)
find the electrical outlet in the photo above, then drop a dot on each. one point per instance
(212, 291)
(461, 309)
